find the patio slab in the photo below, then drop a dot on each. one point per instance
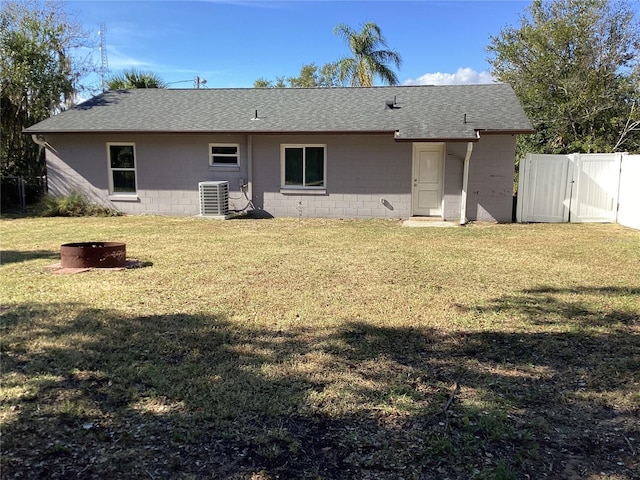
(428, 222)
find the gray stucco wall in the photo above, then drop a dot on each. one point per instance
(367, 175)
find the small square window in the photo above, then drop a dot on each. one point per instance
(224, 154)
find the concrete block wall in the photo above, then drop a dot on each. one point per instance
(168, 170)
(336, 205)
(367, 176)
(491, 174)
(453, 168)
(77, 166)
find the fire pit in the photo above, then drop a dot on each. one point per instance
(93, 254)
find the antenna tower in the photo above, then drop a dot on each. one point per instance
(104, 63)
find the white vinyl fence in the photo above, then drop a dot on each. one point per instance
(629, 197)
(578, 187)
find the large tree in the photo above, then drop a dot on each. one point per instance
(38, 77)
(370, 57)
(135, 79)
(571, 63)
(264, 83)
(311, 76)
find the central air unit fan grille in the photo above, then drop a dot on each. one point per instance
(214, 199)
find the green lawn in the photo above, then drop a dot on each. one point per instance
(285, 348)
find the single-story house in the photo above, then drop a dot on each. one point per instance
(395, 152)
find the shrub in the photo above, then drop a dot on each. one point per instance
(73, 205)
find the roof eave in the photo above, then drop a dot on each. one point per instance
(30, 131)
(515, 131)
(397, 136)
(437, 139)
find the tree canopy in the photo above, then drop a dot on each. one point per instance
(135, 79)
(313, 76)
(370, 57)
(574, 66)
(310, 76)
(38, 76)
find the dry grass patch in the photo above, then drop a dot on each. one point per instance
(321, 349)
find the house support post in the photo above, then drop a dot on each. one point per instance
(465, 184)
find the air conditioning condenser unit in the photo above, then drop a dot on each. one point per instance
(214, 199)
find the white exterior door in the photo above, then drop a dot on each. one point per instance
(428, 177)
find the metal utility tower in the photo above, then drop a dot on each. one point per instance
(199, 81)
(104, 63)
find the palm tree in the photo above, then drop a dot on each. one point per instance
(135, 79)
(371, 56)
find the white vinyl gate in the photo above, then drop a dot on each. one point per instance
(544, 188)
(569, 188)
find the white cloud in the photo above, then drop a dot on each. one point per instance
(119, 61)
(464, 76)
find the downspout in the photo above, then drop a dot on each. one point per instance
(42, 143)
(39, 141)
(250, 168)
(465, 184)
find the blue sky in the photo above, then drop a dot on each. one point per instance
(232, 43)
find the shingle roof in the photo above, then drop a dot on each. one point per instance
(421, 112)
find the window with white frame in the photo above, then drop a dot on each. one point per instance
(303, 166)
(122, 168)
(224, 154)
